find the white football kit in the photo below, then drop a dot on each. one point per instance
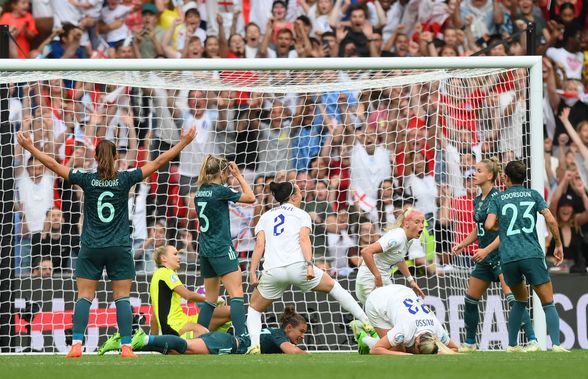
(399, 310)
(284, 264)
(395, 247)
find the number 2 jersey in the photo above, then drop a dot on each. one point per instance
(399, 309)
(485, 237)
(106, 207)
(516, 209)
(281, 226)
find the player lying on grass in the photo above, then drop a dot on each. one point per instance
(282, 340)
(404, 324)
(283, 234)
(166, 292)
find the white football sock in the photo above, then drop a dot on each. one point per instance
(370, 341)
(254, 325)
(348, 303)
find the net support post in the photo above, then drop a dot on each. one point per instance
(537, 179)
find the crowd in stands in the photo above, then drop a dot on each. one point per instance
(359, 157)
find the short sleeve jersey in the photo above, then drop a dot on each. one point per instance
(212, 206)
(395, 248)
(281, 226)
(516, 210)
(106, 207)
(165, 301)
(485, 237)
(271, 339)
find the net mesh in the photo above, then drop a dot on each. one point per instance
(360, 144)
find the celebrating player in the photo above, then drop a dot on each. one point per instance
(405, 325)
(283, 233)
(218, 260)
(166, 292)
(488, 270)
(105, 237)
(390, 251)
(515, 211)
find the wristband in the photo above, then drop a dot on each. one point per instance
(409, 279)
(309, 263)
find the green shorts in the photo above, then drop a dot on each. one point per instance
(118, 261)
(488, 270)
(223, 343)
(534, 270)
(212, 267)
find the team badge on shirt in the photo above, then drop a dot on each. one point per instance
(174, 278)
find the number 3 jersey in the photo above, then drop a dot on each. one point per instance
(516, 210)
(281, 226)
(399, 309)
(106, 207)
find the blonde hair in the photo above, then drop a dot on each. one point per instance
(212, 168)
(493, 165)
(158, 253)
(427, 344)
(403, 216)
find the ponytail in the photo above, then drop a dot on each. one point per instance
(212, 167)
(290, 317)
(106, 158)
(493, 165)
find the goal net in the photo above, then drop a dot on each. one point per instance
(361, 143)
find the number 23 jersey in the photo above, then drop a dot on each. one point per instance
(106, 207)
(281, 226)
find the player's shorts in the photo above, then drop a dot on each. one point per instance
(488, 270)
(534, 270)
(375, 309)
(275, 281)
(118, 261)
(219, 343)
(364, 283)
(212, 267)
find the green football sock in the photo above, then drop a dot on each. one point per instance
(238, 315)
(552, 319)
(527, 323)
(124, 319)
(163, 344)
(80, 319)
(518, 309)
(471, 319)
(205, 315)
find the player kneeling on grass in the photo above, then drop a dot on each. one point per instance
(283, 233)
(404, 324)
(166, 292)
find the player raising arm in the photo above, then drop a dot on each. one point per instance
(105, 240)
(381, 256)
(404, 324)
(283, 234)
(217, 257)
(515, 211)
(488, 269)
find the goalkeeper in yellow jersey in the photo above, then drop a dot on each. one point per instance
(166, 292)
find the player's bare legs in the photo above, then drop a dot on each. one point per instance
(196, 329)
(86, 292)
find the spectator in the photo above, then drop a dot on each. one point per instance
(187, 246)
(53, 242)
(569, 56)
(355, 32)
(112, 23)
(421, 185)
(42, 267)
(144, 254)
(274, 140)
(340, 244)
(486, 14)
(252, 40)
(21, 25)
(68, 45)
(169, 11)
(148, 38)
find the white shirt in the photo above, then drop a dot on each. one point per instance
(259, 12)
(425, 191)
(271, 53)
(407, 314)
(183, 37)
(111, 15)
(192, 156)
(63, 12)
(338, 247)
(36, 198)
(368, 171)
(395, 247)
(281, 226)
(573, 63)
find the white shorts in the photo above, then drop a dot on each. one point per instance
(376, 308)
(274, 282)
(364, 283)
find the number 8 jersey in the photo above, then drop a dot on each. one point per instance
(281, 226)
(106, 207)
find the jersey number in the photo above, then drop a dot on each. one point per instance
(481, 230)
(204, 224)
(104, 205)
(511, 231)
(414, 308)
(278, 226)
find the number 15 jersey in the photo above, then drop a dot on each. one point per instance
(281, 226)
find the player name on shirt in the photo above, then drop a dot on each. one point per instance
(510, 195)
(203, 194)
(424, 322)
(104, 183)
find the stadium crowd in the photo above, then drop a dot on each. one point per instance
(359, 157)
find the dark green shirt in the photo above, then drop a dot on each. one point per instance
(106, 210)
(516, 210)
(485, 237)
(271, 339)
(212, 206)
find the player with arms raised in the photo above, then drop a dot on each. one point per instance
(283, 233)
(105, 237)
(487, 270)
(514, 213)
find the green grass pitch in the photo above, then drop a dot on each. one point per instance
(329, 365)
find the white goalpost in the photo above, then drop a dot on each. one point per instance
(362, 137)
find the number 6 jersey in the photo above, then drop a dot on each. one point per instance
(281, 226)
